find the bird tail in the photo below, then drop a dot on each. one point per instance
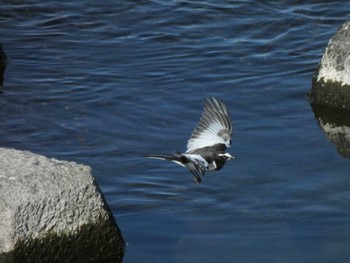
(182, 160)
(160, 157)
(176, 157)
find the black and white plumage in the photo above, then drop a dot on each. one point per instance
(206, 149)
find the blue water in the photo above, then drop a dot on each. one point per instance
(103, 83)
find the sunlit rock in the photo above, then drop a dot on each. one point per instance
(331, 82)
(53, 211)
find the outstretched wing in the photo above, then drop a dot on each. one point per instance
(214, 127)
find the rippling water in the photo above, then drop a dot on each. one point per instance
(103, 83)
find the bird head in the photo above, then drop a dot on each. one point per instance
(226, 156)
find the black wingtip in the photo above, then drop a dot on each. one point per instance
(196, 180)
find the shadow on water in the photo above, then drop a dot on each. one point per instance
(335, 123)
(3, 62)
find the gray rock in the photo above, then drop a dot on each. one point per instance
(331, 83)
(48, 204)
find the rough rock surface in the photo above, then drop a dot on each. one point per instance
(331, 83)
(335, 63)
(41, 197)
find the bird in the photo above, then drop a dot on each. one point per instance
(206, 148)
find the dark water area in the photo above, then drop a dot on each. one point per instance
(103, 83)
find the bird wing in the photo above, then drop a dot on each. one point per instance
(214, 127)
(197, 165)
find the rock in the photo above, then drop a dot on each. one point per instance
(331, 82)
(53, 211)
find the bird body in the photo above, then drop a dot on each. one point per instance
(206, 148)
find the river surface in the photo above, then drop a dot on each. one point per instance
(105, 82)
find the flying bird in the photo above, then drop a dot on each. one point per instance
(206, 148)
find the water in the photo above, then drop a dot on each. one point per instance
(103, 83)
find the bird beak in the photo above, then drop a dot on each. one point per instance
(227, 155)
(230, 157)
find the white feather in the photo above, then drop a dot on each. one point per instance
(206, 138)
(179, 163)
(197, 158)
(214, 127)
